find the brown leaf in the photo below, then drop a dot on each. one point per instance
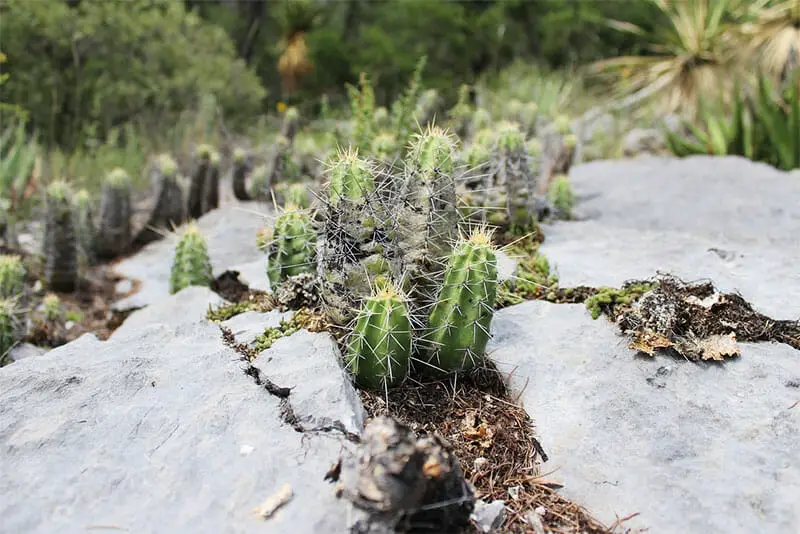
(718, 347)
(648, 342)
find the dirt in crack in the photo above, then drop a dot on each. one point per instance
(494, 440)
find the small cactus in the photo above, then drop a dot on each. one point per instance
(52, 309)
(191, 265)
(204, 185)
(241, 166)
(458, 325)
(298, 194)
(9, 328)
(350, 179)
(60, 242)
(168, 208)
(384, 147)
(84, 228)
(259, 182)
(379, 348)
(561, 196)
(291, 249)
(12, 277)
(114, 228)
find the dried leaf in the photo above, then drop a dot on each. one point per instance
(275, 501)
(718, 347)
(647, 342)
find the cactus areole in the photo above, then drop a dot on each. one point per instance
(461, 317)
(379, 349)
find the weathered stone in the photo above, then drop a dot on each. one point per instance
(727, 219)
(506, 266)
(159, 430)
(692, 448)
(322, 393)
(230, 233)
(25, 350)
(488, 517)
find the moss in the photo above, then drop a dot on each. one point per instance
(301, 319)
(226, 311)
(607, 299)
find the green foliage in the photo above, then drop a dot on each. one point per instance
(291, 250)
(12, 276)
(17, 160)
(191, 265)
(362, 107)
(764, 127)
(403, 108)
(562, 196)
(52, 308)
(379, 348)
(460, 320)
(82, 68)
(607, 298)
(9, 328)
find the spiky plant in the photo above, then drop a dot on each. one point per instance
(191, 265)
(241, 167)
(260, 182)
(114, 225)
(512, 199)
(459, 323)
(60, 245)
(12, 276)
(362, 107)
(403, 109)
(384, 147)
(290, 250)
(168, 207)
(772, 32)
(298, 195)
(204, 185)
(84, 229)
(18, 156)
(462, 112)
(52, 308)
(561, 196)
(379, 346)
(9, 328)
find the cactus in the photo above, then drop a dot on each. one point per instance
(290, 125)
(458, 325)
(513, 180)
(384, 147)
(168, 208)
(60, 247)
(427, 106)
(52, 309)
(291, 249)
(9, 328)
(427, 216)
(481, 121)
(259, 182)
(527, 117)
(461, 114)
(84, 229)
(12, 277)
(298, 194)
(114, 226)
(379, 348)
(204, 186)
(191, 265)
(241, 166)
(561, 196)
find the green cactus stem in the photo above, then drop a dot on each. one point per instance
(12, 276)
(350, 178)
(60, 246)
(9, 328)
(191, 265)
(562, 196)
(114, 227)
(458, 325)
(379, 348)
(291, 249)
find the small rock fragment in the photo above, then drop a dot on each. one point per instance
(489, 517)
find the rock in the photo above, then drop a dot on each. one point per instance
(157, 431)
(25, 350)
(254, 274)
(723, 218)
(506, 266)
(692, 448)
(488, 517)
(322, 393)
(188, 306)
(247, 326)
(642, 141)
(230, 232)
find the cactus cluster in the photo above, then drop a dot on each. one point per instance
(191, 265)
(291, 247)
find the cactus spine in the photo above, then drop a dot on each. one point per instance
(379, 349)
(458, 325)
(12, 277)
(60, 243)
(191, 265)
(114, 230)
(291, 250)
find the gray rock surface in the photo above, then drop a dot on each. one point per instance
(727, 219)
(158, 430)
(230, 232)
(506, 266)
(25, 350)
(322, 393)
(692, 448)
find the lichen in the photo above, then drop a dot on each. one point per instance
(607, 299)
(301, 319)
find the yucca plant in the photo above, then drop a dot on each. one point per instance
(773, 35)
(18, 155)
(780, 116)
(694, 55)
